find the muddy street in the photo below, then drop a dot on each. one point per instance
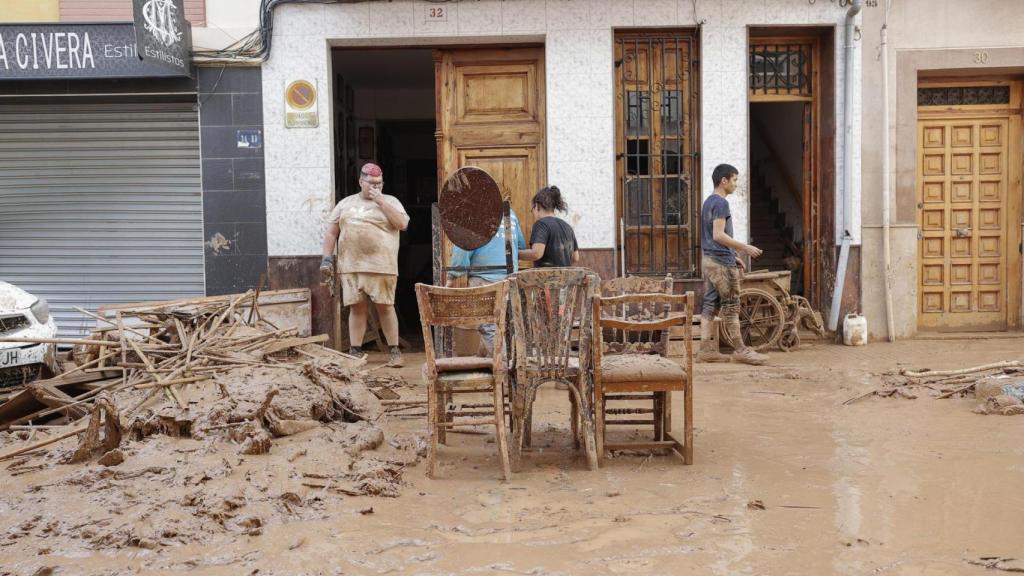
(787, 480)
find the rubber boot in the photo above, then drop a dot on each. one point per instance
(744, 354)
(708, 351)
(749, 356)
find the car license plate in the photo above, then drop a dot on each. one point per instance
(10, 357)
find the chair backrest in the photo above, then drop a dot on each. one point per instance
(642, 314)
(462, 307)
(547, 304)
(620, 341)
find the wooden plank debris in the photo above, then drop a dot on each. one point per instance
(165, 347)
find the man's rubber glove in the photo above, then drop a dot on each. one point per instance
(327, 270)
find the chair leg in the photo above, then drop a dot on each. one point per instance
(589, 433)
(432, 415)
(599, 405)
(502, 437)
(667, 426)
(515, 445)
(688, 424)
(659, 416)
(575, 420)
(441, 405)
(531, 397)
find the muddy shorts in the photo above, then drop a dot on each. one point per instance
(379, 288)
(721, 287)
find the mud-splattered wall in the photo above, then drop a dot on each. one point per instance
(234, 188)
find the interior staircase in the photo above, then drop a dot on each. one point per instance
(769, 229)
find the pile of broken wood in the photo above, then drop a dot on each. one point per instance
(978, 381)
(155, 351)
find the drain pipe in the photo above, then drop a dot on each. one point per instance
(890, 329)
(844, 251)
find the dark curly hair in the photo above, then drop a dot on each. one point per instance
(550, 199)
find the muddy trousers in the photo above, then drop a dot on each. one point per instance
(722, 290)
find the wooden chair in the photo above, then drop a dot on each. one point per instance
(637, 372)
(448, 377)
(652, 342)
(547, 304)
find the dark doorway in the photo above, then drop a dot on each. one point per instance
(777, 180)
(384, 113)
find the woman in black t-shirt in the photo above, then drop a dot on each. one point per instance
(552, 240)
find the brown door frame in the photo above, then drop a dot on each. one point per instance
(818, 144)
(1014, 114)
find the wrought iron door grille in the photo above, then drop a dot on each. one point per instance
(780, 69)
(963, 96)
(657, 152)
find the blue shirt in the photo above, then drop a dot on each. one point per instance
(715, 208)
(491, 254)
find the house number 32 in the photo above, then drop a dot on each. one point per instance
(981, 57)
(436, 14)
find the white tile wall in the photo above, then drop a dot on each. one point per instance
(523, 16)
(481, 17)
(605, 14)
(347, 20)
(299, 20)
(570, 14)
(656, 12)
(580, 95)
(389, 19)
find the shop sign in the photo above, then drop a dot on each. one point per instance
(300, 106)
(60, 51)
(162, 33)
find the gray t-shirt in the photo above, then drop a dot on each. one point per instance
(714, 208)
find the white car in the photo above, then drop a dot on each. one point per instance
(23, 315)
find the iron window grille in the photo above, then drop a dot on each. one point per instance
(783, 69)
(963, 96)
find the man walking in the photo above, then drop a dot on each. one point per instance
(364, 228)
(723, 270)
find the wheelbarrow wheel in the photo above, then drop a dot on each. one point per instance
(761, 318)
(790, 339)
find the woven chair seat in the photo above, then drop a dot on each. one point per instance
(640, 368)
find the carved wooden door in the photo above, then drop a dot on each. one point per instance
(490, 114)
(963, 186)
(656, 119)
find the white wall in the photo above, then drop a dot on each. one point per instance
(226, 22)
(580, 101)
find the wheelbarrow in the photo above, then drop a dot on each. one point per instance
(770, 316)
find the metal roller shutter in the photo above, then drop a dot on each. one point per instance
(100, 203)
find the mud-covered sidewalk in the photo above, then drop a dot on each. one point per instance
(787, 480)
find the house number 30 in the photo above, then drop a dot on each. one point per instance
(981, 57)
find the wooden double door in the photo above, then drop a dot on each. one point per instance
(491, 114)
(969, 195)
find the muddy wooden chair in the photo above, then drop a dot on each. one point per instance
(621, 409)
(632, 371)
(456, 376)
(547, 304)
